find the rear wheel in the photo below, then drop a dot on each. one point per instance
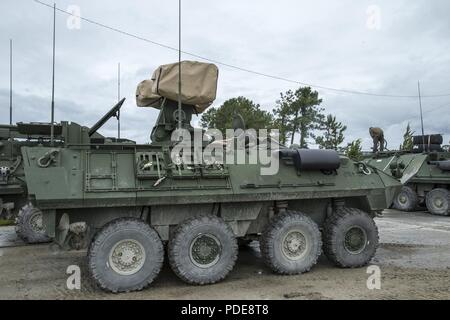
(291, 243)
(350, 238)
(125, 255)
(406, 200)
(202, 250)
(437, 201)
(29, 226)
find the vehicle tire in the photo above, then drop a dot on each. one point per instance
(350, 238)
(202, 250)
(432, 139)
(437, 201)
(427, 148)
(125, 255)
(291, 243)
(29, 225)
(406, 200)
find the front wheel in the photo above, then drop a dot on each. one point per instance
(406, 200)
(125, 255)
(350, 238)
(437, 201)
(29, 226)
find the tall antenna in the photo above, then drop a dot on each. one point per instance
(179, 64)
(118, 99)
(52, 125)
(421, 114)
(10, 81)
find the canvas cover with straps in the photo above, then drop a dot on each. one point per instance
(145, 96)
(198, 85)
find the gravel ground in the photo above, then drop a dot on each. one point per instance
(414, 259)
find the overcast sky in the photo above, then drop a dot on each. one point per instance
(374, 46)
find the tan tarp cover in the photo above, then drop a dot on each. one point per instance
(145, 96)
(198, 83)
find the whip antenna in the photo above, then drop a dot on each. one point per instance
(10, 81)
(179, 64)
(52, 124)
(118, 99)
(421, 114)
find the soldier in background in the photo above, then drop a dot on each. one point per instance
(378, 138)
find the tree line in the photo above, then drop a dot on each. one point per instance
(297, 115)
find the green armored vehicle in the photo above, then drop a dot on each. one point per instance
(13, 190)
(424, 172)
(128, 203)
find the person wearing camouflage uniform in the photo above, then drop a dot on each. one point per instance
(378, 138)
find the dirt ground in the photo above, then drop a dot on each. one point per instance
(413, 256)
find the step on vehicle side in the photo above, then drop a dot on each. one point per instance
(128, 203)
(424, 173)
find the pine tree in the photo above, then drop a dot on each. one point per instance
(407, 144)
(299, 112)
(354, 150)
(333, 134)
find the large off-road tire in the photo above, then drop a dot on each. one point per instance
(406, 200)
(425, 147)
(432, 139)
(437, 201)
(202, 250)
(291, 243)
(29, 225)
(125, 255)
(350, 238)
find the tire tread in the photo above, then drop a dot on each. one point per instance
(107, 230)
(176, 239)
(330, 229)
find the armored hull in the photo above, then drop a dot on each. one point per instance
(88, 190)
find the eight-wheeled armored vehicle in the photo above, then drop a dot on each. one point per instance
(424, 172)
(128, 202)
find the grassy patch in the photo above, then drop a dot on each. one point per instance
(6, 222)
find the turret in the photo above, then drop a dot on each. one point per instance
(198, 92)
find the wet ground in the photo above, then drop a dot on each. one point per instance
(413, 257)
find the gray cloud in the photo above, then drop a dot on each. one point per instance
(321, 42)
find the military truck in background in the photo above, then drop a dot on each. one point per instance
(424, 172)
(13, 189)
(14, 201)
(128, 203)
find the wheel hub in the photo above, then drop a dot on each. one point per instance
(294, 245)
(127, 257)
(36, 223)
(205, 250)
(438, 202)
(355, 240)
(402, 199)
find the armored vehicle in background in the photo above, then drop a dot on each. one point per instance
(424, 173)
(12, 187)
(13, 190)
(128, 203)
(14, 201)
